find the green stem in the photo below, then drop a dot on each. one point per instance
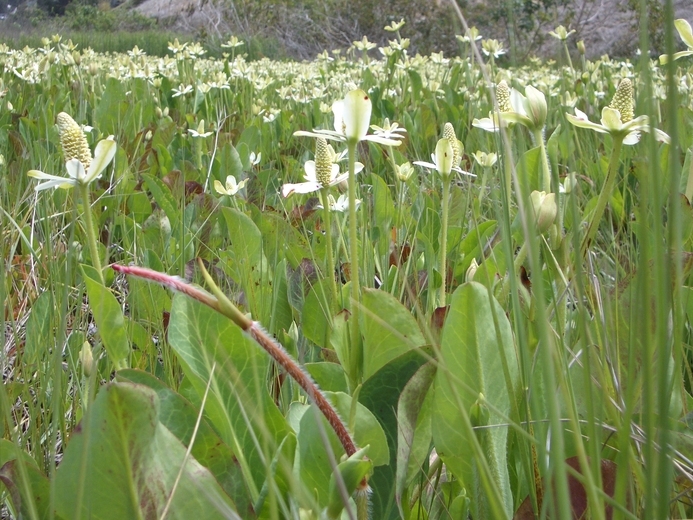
(444, 238)
(356, 356)
(545, 168)
(90, 231)
(329, 253)
(604, 196)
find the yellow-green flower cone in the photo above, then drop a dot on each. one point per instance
(73, 140)
(449, 134)
(323, 162)
(503, 97)
(623, 100)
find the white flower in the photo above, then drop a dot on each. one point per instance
(341, 204)
(352, 115)
(254, 159)
(492, 48)
(486, 160)
(313, 184)
(389, 130)
(182, 90)
(103, 155)
(231, 187)
(611, 124)
(200, 132)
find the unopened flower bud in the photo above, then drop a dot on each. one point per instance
(73, 140)
(404, 171)
(536, 106)
(471, 271)
(479, 414)
(159, 113)
(581, 47)
(86, 359)
(545, 209)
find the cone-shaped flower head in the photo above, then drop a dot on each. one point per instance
(623, 100)
(73, 140)
(618, 118)
(449, 134)
(503, 97)
(323, 162)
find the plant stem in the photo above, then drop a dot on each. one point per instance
(604, 196)
(327, 222)
(356, 355)
(91, 235)
(444, 238)
(545, 168)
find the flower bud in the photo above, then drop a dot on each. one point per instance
(545, 209)
(404, 171)
(581, 47)
(471, 271)
(479, 414)
(73, 140)
(536, 106)
(86, 359)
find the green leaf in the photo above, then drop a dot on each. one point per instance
(239, 405)
(121, 462)
(389, 330)
(178, 415)
(108, 316)
(352, 471)
(328, 376)
(529, 168)
(380, 395)
(163, 197)
(315, 318)
(414, 431)
(477, 356)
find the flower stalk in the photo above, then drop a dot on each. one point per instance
(220, 303)
(91, 231)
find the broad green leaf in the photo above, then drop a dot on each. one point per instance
(248, 264)
(328, 376)
(414, 431)
(315, 318)
(380, 395)
(123, 463)
(108, 316)
(477, 357)
(389, 330)
(178, 415)
(239, 405)
(529, 168)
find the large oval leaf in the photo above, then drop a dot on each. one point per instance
(477, 357)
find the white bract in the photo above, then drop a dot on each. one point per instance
(442, 160)
(611, 124)
(352, 117)
(313, 184)
(77, 175)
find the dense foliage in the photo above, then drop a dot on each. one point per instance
(490, 289)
